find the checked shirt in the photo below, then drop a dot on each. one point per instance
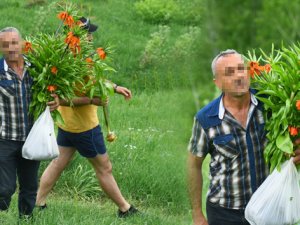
(237, 165)
(15, 96)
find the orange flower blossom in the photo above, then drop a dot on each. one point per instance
(89, 60)
(27, 47)
(68, 19)
(51, 88)
(73, 41)
(54, 70)
(298, 104)
(101, 53)
(255, 68)
(293, 131)
(267, 68)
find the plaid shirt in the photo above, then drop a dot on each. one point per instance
(237, 164)
(15, 96)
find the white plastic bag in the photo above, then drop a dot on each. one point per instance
(41, 142)
(277, 200)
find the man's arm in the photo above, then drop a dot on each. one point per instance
(195, 188)
(123, 91)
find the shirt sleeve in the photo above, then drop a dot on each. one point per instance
(198, 144)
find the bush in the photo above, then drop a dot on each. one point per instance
(185, 44)
(155, 50)
(157, 10)
(163, 11)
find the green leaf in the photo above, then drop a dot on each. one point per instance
(57, 117)
(41, 97)
(284, 143)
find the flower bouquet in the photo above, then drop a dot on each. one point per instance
(277, 200)
(278, 86)
(65, 63)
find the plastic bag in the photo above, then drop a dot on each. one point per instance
(277, 200)
(41, 142)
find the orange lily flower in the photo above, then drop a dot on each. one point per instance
(293, 131)
(89, 60)
(62, 15)
(298, 104)
(68, 19)
(27, 47)
(51, 88)
(255, 68)
(101, 53)
(267, 68)
(54, 70)
(73, 41)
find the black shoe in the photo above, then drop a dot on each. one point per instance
(42, 207)
(131, 211)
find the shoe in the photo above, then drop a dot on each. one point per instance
(131, 211)
(42, 207)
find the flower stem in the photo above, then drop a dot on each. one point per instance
(60, 25)
(106, 118)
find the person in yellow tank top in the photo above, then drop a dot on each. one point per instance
(82, 132)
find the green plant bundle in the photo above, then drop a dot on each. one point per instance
(278, 85)
(65, 64)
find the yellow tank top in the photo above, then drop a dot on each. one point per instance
(79, 118)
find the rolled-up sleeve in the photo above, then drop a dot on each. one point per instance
(198, 144)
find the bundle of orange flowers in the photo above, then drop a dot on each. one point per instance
(63, 61)
(278, 85)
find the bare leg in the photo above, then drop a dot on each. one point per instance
(103, 169)
(52, 173)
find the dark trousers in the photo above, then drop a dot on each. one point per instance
(12, 165)
(217, 215)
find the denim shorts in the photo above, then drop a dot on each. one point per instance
(88, 143)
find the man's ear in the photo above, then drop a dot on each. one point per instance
(217, 82)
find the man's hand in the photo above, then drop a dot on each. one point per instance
(297, 151)
(123, 91)
(53, 105)
(99, 102)
(201, 221)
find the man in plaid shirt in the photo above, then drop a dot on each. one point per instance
(15, 124)
(231, 130)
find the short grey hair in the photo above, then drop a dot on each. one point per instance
(221, 54)
(10, 29)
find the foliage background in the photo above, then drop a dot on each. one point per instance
(162, 52)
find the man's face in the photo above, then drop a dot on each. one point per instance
(11, 45)
(231, 75)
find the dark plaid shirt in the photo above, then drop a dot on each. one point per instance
(15, 96)
(237, 165)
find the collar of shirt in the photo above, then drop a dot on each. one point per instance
(222, 108)
(26, 62)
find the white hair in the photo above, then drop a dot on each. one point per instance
(10, 29)
(221, 54)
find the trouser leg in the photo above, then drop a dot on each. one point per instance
(217, 215)
(27, 171)
(8, 166)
